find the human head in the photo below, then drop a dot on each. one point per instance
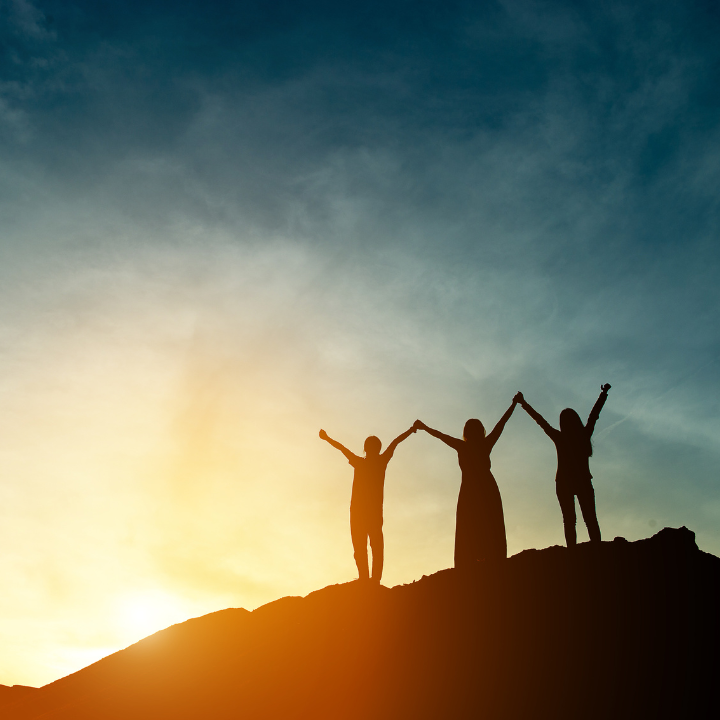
(570, 421)
(473, 431)
(372, 445)
(572, 426)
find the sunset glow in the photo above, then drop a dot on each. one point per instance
(143, 613)
(222, 230)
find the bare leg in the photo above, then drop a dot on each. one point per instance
(377, 543)
(586, 498)
(359, 535)
(567, 505)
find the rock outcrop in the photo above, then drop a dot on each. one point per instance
(619, 630)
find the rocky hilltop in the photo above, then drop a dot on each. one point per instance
(619, 630)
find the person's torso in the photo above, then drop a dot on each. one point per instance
(368, 485)
(573, 462)
(474, 460)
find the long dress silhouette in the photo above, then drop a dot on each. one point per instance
(480, 522)
(573, 477)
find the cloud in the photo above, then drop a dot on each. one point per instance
(226, 227)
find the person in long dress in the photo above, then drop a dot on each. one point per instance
(480, 523)
(573, 478)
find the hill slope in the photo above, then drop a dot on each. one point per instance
(622, 630)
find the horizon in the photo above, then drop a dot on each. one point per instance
(225, 227)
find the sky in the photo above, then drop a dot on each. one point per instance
(224, 226)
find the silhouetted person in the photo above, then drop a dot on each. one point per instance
(574, 448)
(480, 523)
(366, 503)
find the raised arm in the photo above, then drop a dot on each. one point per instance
(349, 455)
(493, 437)
(454, 443)
(597, 407)
(549, 430)
(391, 447)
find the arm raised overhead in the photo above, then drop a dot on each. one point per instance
(493, 437)
(454, 443)
(549, 430)
(597, 407)
(349, 455)
(391, 447)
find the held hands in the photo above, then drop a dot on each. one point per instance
(519, 398)
(419, 425)
(605, 387)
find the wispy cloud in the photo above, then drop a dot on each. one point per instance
(224, 228)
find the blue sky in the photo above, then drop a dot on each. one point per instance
(226, 225)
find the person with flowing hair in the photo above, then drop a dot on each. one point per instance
(480, 523)
(574, 449)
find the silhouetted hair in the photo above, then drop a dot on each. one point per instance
(572, 426)
(474, 430)
(372, 443)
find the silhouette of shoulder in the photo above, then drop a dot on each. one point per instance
(355, 460)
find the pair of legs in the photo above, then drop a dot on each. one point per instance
(586, 498)
(362, 529)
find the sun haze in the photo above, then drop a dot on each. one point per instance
(223, 228)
